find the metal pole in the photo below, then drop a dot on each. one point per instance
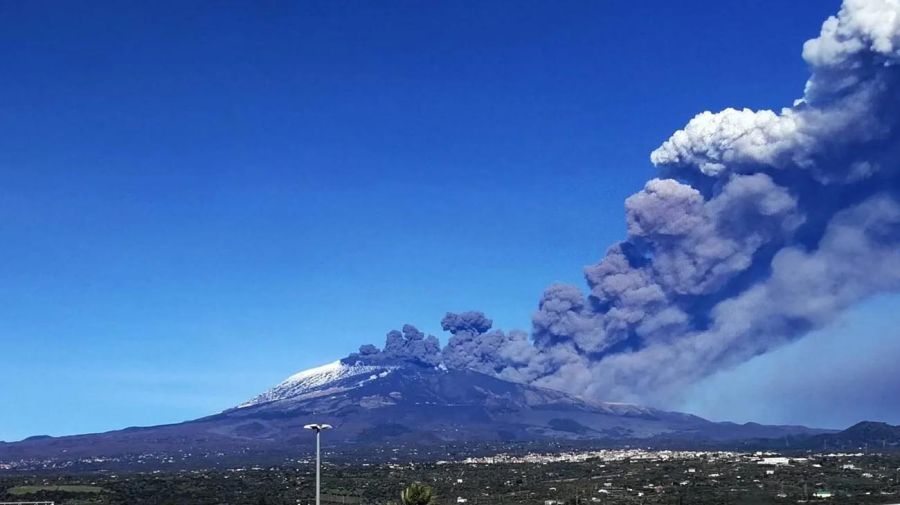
(318, 463)
(318, 428)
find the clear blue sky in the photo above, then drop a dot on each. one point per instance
(198, 199)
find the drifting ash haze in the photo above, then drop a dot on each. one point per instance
(762, 227)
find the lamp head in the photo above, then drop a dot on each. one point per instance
(317, 427)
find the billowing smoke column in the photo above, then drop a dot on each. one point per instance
(765, 226)
(473, 346)
(406, 345)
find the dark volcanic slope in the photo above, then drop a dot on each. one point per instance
(860, 436)
(380, 404)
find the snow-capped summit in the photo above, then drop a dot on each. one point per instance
(331, 378)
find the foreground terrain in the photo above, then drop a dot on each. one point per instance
(609, 476)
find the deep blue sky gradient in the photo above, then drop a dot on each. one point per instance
(200, 198)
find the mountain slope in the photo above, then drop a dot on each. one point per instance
(326, 379)
(860, 436)
(391, 402)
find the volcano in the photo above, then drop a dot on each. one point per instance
(389, 404)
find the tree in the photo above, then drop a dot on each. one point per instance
(418, 494)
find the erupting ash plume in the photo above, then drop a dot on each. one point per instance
(765, 225)
(410, 344)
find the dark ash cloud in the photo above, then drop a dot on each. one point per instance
(763, 226)
(406, 345)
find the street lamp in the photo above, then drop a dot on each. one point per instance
(318, 428)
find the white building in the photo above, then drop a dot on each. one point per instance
(774, 460)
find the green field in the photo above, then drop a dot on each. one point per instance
(23, 490)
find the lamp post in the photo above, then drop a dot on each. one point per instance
(318, 428)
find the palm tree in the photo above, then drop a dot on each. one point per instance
(418, 494)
